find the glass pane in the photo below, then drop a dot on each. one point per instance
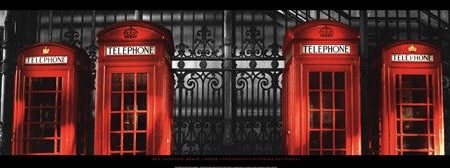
(414, 111)
(327, 139)
(115, 101)
(41, 146)
(314, 152)
(327, 100)
(340, 119)
(128, 103)
(414, 81)
(314, 140)
(42, 130)
(59, 86)
(128, 141)
(314, 100)
(142, 101)
(326, 80)
(41, 84)
(141, 141)
(42, 99)
(314, 80)
(414, 96)
(327, 119)
(339, 101)
(115, 122)
(128, 121)
(415, 142)
(116, 82)
(339, 80)
(41, 115)
(129, 81)
(314, 120)
(340, 152)
(27, 83)
(142, 121)
(141, 81)
(415, 127)
(115, 141)
(340, 139)
(415, 153)
(327, 152)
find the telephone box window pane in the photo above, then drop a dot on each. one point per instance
(27, 83)
(340, 119)
(129, 81)
(59, 85)
(41, 146)
(142, 101)
(414, 112)
(41, 115)
(115, 141)
(115, 122)
(415, 127)
(415, 142)
(431, 127)
(339, 80)
(128, 141)
(314, 119)
(339, 100)
(414, 96)
(43, 99)
(415, 153)
(314, 140)
(340, 152)
(327, 119)
(129, 102)
(128, 121)
(314, 80)
(414, 81)
(141, 141)
(141, 82)
(43, 84)
(326, 80)
(116, 83)
(314, 152)
(115, 101)
(142, 121)
(42, 130)
(314, 100)
(327, 100)
(327, 139)
(340, 139)
(327, 152)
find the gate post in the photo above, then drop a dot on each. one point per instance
(366, 121)
(228, 78)
(7, 82)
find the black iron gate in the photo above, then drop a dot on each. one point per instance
(227, 65)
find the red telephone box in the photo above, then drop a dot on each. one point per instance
(411, 100)
(51, 101)
(134, 90)
(321, 109)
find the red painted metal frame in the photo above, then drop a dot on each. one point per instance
(77, 66)
(160, 83)
(295, 115)
(388, 140)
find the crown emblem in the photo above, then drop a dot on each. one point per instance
(412, 48)
(326, 32)
(130, 33)
(45, 50)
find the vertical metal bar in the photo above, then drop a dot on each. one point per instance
(228, 76)
(137, 14)
(365, 121)
(9, 63)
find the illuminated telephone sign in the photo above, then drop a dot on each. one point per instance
(411, 111)
(51, 101)
(134, 90)
(321, 110)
